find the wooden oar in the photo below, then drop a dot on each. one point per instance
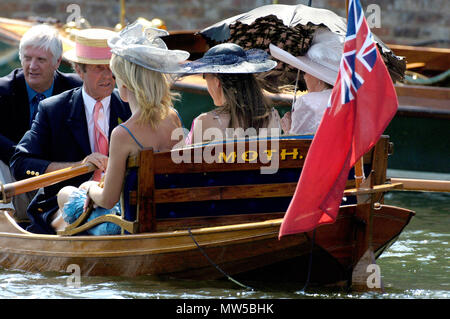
(427, 185)
(10, 190)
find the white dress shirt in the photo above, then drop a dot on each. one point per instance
(103, 119)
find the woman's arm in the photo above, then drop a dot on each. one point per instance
(286, 122)
(196, 132)
(119, 151)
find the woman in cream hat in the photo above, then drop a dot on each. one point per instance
(320, 66)
(139, 62)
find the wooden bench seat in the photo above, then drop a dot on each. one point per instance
(188, 194)
(179, 189)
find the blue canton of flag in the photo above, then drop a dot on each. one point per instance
(360, 53)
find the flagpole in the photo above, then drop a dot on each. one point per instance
(359, 171)
(122, 13)
(364, 210)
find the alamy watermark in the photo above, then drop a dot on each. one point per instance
(255, 150)
(74, 280)
(75, 14)
(373, 15)
(374, 279)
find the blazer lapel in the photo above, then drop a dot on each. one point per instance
(20, 99)
(77, 121)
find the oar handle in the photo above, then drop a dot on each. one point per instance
(423, 184)
(7, 191)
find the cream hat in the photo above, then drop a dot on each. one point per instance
(143, 45)
(91, 47)
(322, 59)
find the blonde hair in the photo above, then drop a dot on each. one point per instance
(151, 88)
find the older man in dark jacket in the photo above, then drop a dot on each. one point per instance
(68, 126)
(40, 52)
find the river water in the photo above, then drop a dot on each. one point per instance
(417, 266)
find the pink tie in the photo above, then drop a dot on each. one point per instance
(101, 141)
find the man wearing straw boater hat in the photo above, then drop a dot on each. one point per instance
(72, 127)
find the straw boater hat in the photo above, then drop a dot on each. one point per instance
(322, 59)
(230, 58)
(142, 45)
(91, 47)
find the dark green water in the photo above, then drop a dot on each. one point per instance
(417, 266)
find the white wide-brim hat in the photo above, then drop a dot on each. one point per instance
(322, 59)
(91, 47)
(143, 46)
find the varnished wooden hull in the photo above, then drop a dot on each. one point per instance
(244, 249)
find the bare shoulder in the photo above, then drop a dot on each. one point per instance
(119, 133)
(206, 116)
(121, 139)
(208, 119)
(122, 142)
(173, 116)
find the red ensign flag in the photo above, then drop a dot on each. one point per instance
(362, 104)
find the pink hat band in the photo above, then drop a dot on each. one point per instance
(90, 52)
(91, 47)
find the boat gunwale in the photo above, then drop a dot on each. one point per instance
(263, 230)
(271, 223)
(138, 252)
(257, 230)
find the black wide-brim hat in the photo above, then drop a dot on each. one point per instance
(230, 58)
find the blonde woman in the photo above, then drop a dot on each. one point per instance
(139, 58)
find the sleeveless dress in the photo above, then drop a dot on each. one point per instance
(73, 208)
(274, 123)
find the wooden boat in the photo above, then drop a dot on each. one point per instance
(427, 59)
(188, 219)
